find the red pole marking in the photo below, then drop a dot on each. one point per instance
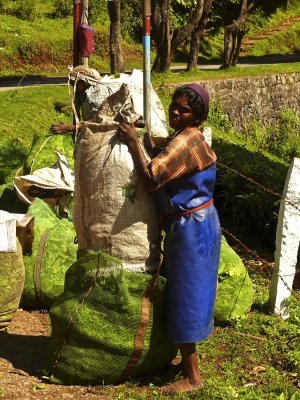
(76, 22)
(146, 26)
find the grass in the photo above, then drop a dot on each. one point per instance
(286, 42)
(44, 45)
(259, 24)
(256, 358)
(25, 113)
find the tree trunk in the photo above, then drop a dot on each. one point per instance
(116, 53)
(197, 35)
(239, 37)
(180, 35)
(166, 40)
(233, 36)
(163, 40)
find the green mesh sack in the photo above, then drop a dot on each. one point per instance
(11, 284)
(12, 155)
(53, 252)
(107, 325)
(42, 153)
(234, 292)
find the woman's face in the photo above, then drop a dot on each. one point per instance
(81, 86)
(180, 113)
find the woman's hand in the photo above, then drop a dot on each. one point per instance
(127, 133)
(62, 128)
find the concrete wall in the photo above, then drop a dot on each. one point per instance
(260, 97)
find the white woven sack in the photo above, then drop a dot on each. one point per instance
(134, 82)
(112, 210)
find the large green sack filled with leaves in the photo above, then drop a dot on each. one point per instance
(235, 291)
(12, 155)
(107, 325)
(53, 252)
(42, 153)
(12, 273)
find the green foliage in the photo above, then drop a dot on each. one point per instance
(235, 292)
(3, 5)
(98, 12)
(62, 8)
(248, 211)
(281, 41)
(131, 23)
(255, 133)
(26, 10)
(12, 156)
(58, 255)
(218, 118)
(283, 139)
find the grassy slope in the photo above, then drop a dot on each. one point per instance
(28, 112)
(229, 359)
(44, 46)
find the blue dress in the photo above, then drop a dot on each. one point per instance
(191, 255)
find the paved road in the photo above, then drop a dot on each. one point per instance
(6, 84)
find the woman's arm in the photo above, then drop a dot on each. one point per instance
(128, 136)
(62, 127)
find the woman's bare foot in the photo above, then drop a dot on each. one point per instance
(184, 385)
(192, 379)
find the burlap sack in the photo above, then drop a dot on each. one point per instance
(112, 210)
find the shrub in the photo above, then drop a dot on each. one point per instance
(284, 139)
(62, 8)
(255, 133)
(26, 10)
(3, 5)
(218, 118)
(132, 22)
(245, 209)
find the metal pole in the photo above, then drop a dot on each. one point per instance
(85, 10)
(76, 22)
(146, 62)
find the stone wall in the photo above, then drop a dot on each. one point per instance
(256, 97)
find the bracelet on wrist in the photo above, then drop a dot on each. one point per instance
(140, 163)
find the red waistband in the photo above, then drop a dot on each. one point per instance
(204, 205)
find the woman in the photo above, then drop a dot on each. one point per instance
(87, 96)
(181, 179)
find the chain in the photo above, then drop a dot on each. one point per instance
(257, 257)
(253, 253)
(278, 195)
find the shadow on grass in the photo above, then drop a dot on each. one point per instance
(248, 210)
(262, 308)
(160, 377)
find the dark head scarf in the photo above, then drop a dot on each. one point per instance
(202, 92)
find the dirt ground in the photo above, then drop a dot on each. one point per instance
(23, 352)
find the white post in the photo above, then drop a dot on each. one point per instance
(287, 243)
(207, 133)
